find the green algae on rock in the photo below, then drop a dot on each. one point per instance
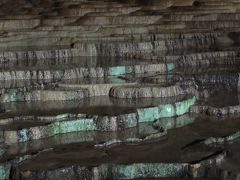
(5, 171)
(152, 131)
(147, 170)
(96, 123)
(142, 133)
(167, 110)
(183, 107)
(83, 72)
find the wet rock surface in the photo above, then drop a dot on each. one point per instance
(119, 89)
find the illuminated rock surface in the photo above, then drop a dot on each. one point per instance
(119, 89)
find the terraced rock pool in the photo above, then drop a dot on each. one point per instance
(119, 89)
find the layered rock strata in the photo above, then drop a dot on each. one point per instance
(119, 89)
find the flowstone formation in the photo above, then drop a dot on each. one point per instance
(117, 89)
